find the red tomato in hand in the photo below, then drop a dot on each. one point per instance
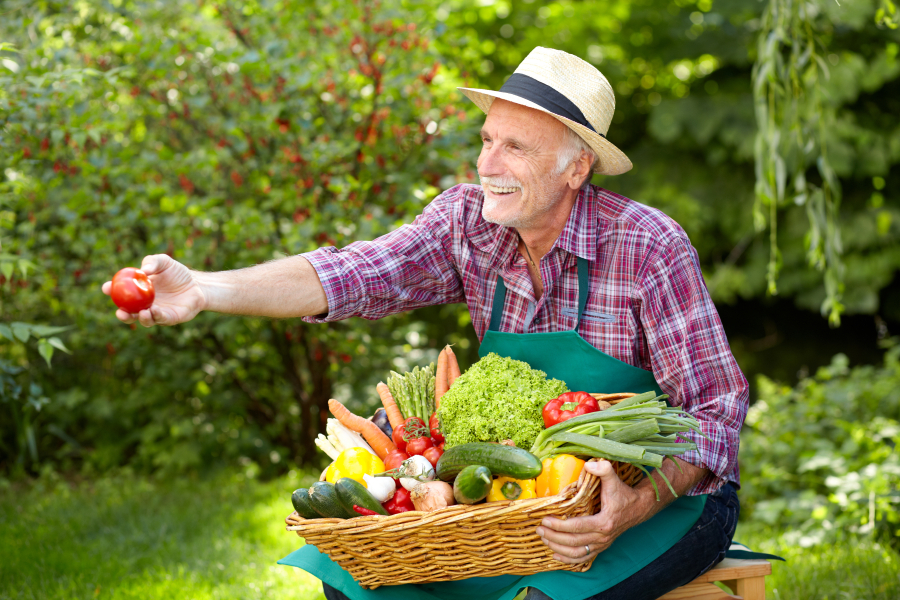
(132, 290)
(412, 428)
(394, 459)
(419, 445)
(433, 454)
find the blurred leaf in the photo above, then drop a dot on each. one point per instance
(57, 343)
(22, 331)
(48, 330)
(45, 348)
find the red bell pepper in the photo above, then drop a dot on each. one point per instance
(401, 502)
(568, 405)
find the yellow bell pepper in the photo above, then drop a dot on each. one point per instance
(557, 473)
(496, 493)
(354, 463)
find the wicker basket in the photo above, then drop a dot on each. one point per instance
(457, 542)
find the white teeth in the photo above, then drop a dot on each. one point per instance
(500, 190)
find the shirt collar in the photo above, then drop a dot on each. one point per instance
(578, 237)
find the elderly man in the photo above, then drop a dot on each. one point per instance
(587, 285)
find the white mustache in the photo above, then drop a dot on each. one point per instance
(502, 182)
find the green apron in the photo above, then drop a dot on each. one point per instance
(563, 355)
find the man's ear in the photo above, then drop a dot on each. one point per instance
(580, 171)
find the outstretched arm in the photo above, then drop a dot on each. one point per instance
(283, 288)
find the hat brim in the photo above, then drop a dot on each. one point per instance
(612, 161)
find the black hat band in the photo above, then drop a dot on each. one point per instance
(546, 97)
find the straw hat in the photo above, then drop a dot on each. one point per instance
(569, 89)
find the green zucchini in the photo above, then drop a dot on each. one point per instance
(300, 500)
(472, 484)
(501, 460)
(324, 500)
(350, 492)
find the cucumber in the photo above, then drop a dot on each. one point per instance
(501, 460)
(350, 492)
(300, 500)
(472, 484)
(324, 500)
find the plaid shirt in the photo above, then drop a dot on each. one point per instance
(648, 304)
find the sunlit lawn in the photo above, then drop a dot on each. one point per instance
(855, 569)
(134, 537)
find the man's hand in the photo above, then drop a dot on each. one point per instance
(619, 510)
(621, 507)
(179, 297)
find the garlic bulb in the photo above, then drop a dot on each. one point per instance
(381, 488)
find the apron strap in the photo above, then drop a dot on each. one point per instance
(497, 307)
(584, 284)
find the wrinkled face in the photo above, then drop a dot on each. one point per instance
(517, 163)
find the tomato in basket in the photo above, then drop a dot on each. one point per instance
(419, 445)
(433, 454)
(434, 427)
(394, 459)
(411, 429)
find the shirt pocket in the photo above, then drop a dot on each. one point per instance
(589, 315)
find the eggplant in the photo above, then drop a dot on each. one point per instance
(381, 419)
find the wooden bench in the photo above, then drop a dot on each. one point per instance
(745, 578)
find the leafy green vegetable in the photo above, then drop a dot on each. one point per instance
(497, 399)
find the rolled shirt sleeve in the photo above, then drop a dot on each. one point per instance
(408, 268)
(692, 360)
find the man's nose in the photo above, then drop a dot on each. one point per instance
(489, 162)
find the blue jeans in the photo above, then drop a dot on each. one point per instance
(701, 548)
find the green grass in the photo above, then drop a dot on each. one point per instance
(134, 537)
(129, 537)
(853, 569)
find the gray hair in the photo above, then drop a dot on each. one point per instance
(572, 147)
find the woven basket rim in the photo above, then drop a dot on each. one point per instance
(570, 496)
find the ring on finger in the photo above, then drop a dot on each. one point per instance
(587, 549)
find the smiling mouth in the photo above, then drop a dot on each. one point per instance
(502, 191)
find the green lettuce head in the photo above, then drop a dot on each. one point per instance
(497, 399)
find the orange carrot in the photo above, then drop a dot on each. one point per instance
(390, 406)
(381, 444)
(452, 367)
(441, 385)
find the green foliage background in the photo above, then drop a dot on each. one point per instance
(820, 459)
(231, 133)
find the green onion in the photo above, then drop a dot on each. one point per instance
(635, 431)
(601, 445)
